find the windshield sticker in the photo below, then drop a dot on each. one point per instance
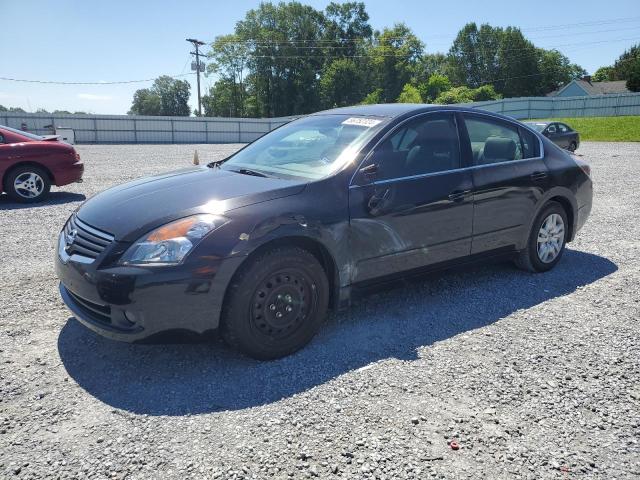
(362, 122)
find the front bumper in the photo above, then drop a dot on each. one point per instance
(133, 303)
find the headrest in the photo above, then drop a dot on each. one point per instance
(499, 148)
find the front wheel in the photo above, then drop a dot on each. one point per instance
(275, 304)
(547, 240)
(27, 184)
(572, 147)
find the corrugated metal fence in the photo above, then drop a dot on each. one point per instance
(559, 107)
(143, 129)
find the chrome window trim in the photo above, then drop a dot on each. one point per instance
(394, 129)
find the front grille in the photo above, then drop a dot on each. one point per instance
(101, 313)
(87, 241)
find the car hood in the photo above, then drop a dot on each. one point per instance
(131, 209)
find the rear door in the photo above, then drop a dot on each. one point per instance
(411, 203)
(509, 176)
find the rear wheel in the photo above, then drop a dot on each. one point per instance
(27, 184)
(276, 303)
(546, 241)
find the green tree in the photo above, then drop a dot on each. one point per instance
(221, 100)
(3, 108)
(626, 63)
(555, 70)
(17, 110)
(603, 74)
(167, 96)
(373, 97)
(633, 76)
(145, 102)
(467, 95)
(474, 55)
(64, 112)
(409, 94)
(436, 85)
(347, 28)
(341, 83)
(394, 59)
(229, 57)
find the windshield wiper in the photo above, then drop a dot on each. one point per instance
(247, 171)
(216, 163)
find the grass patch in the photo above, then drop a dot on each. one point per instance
(605, 129)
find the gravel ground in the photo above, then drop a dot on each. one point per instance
(534, 376)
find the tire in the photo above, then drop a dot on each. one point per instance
(27, 184)
(535, 259)
(275, 304)
(572, 147)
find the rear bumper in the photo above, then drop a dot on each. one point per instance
(70, 174)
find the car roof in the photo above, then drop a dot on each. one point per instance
(394, 110)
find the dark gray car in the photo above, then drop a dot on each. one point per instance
(559, 133)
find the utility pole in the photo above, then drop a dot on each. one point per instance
(196, 44)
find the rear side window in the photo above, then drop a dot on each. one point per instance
(1, 138)
(495, 142)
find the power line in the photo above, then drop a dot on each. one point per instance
(119, 82)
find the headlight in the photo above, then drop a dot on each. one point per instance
(173, 241)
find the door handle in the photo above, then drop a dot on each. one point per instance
(538, 175)
(458, 195)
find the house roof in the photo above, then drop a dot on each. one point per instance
(597, 88)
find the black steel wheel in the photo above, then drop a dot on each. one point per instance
(276, 303)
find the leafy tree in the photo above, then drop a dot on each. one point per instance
(3, 108)
(63, 112)
(341, 83)
(626, 63)
(41, 110)
(79, 112)
(230, 56)
(467, 95)
(145, 102)
(436, 85)
(221, 100)
(17, 110)
(633, 76)
(474, 55)
(167, 96)
(394, 59)
(603, 74)
(409, 94)
(555, 70)
(373, 97)
(347, 28)
(485, 92)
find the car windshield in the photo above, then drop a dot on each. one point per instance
(537, 126)
(310, 148)
(32, 136)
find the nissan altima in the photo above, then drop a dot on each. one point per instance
(261, 244)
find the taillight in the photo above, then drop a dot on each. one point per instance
(77, 157)
(584, 166)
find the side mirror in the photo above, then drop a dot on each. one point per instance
(370, 171)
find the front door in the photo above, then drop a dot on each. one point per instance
(411, 203)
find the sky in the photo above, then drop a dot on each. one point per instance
(115, 40)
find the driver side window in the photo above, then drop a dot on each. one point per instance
(426, 145)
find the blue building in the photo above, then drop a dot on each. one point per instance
(584, 87)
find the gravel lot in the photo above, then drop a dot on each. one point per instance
(535, 376)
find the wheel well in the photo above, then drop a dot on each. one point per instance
(317, 249)
(25, 164)
(568, 209)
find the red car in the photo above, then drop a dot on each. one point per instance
(30, 164)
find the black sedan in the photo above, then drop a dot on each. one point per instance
(559, 133)
(261, 244)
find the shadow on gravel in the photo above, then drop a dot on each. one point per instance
(181, 379)
(54, 198)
